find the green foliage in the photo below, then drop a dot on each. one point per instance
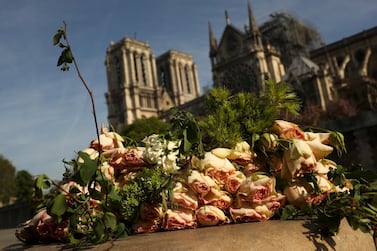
(86, 169)
(66, 56)
(145, 187)
(357, 205)
(141, 128)
(24, 186)
(185, 128)
(243, 116)
(7, 180)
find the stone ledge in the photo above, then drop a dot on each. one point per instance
(266, 236)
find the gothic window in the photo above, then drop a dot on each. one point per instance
(135, 67)
(188, 84)
(162, 77)
(118, 71)
(360, 55)
(180, 75)
(144, 76)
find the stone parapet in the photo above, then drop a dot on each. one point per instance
(266, 236)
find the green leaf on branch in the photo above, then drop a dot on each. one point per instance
(86, 169)
(99, 230)
(58, 206)
(110, 220)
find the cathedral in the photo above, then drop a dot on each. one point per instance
(141, 85)
(282, 49)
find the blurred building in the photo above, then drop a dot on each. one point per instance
(287, 49)
(141, 85)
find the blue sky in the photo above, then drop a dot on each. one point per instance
(46, 114)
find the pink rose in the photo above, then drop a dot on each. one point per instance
(248, 213)
(217, 168)
(184, 197)
(48, 229)
(257, 188)
(218, 198)
(179, 218)
(200, 183)
(211, 216)
(108, 140)
(126, 159)
(287, 130)
(234, 182)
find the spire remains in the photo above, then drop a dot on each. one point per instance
(227, 18)
(252, 23)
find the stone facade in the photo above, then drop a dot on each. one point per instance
(241, 61)
(320, 74)
(141, 85)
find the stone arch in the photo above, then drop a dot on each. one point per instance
(372, 65)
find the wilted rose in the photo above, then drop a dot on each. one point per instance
(218, 198)
(179, 218)
(319, 149)
(184, 197)
(234, 182)
(208, 215)
(146, 226)
(257, 188)
(269, 141)
(150, 212)
(287, 130)
(217, 168)
(108, 140)
(297, 159)
(248, 213)
(48, 229)
(128, 159)
(200, 183)
(241, 153)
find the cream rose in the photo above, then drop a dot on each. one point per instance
(297, 159)
(208, 215)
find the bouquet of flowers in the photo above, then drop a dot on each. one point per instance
(240, 163)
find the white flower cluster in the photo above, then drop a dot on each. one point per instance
(162, 153)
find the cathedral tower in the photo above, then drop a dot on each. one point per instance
(141, 86)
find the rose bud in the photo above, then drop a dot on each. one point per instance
(297, 193)
(210, 216)
(269, 141)
(257, 188)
